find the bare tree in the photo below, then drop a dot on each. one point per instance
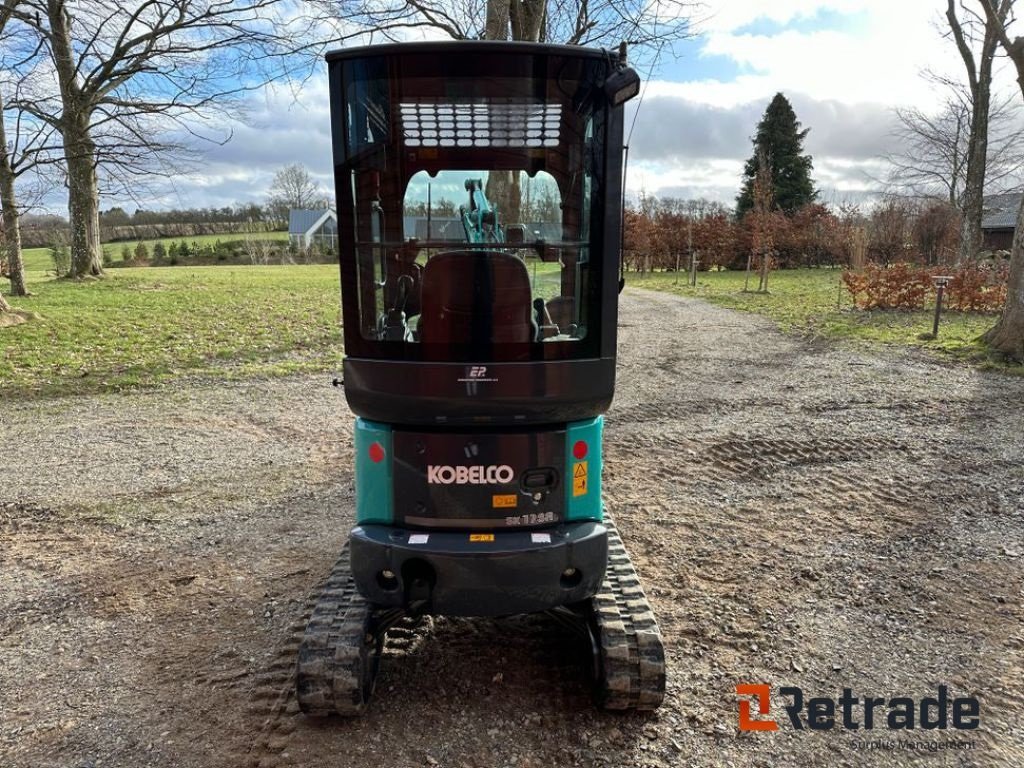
(1008, 335)
(967, 27)
(137, 79)
(24, 151)
(293, 187)
(934, 150)
(762, 241)
(646, 27)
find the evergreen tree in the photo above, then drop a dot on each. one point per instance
(780, 139)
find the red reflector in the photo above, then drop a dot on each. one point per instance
(376, 453)
(579, 450)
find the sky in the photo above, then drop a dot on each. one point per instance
(844, 65)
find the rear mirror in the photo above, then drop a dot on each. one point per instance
(515, 234)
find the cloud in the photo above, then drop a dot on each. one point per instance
(844, 64)
(681, 147)
(277, 127)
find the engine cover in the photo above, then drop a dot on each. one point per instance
(479, 479)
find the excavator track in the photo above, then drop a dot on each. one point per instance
(625, 637)
(340, 650)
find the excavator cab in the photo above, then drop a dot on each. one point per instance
(479, 189)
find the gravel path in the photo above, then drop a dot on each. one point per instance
(800, 515)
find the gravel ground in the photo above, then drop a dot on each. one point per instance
(800, 515)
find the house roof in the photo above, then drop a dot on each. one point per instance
(1001, 211)
(301, 219)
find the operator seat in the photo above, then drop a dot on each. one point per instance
(402, 264)
(476, 297)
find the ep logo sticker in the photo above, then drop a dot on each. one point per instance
(477, 373)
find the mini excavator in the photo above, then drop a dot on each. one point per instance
(479, 364)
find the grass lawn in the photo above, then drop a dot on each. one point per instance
(813, 302)
(140, 327)
(38, 259)
(146, 326)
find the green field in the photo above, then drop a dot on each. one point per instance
(146, 326)
(141, 327)
(813, 302)
(38, 259)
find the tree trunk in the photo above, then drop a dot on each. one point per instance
(10, 316)
(497, 20)
(79, 149)
(1008, 335)
(972, 202)
(528, 17)
(9, 212)
(979, 76)
(83, 207)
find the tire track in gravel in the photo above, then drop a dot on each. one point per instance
(797, 515)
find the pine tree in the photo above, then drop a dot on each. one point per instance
(780, 139)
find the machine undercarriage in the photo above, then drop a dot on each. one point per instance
(620, 643)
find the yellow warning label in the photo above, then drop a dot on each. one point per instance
(579, 478)
(503, 501)
(481, 537)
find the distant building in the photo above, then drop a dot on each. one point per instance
(308, 228)
(1000, 220)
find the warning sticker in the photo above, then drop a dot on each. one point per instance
(419, 538)
(481, 537)
(540, 538)
(579, 478)
(503, 501)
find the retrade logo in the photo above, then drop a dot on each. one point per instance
(761, 693)
(851, 712)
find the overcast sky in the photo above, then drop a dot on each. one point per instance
(844, 64)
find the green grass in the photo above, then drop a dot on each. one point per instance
(813, 302)
(141, 327)
(38, 259)
(146, 326)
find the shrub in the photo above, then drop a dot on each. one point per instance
(108, 260)
(141, 253)
(979, 287)
(60, 255)
(126, 254)
(897, 286)
(974, 287)
(159, 253)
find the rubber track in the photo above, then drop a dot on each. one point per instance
(632, 652)
(337, 643)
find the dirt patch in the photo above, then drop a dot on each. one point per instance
(799, 516)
